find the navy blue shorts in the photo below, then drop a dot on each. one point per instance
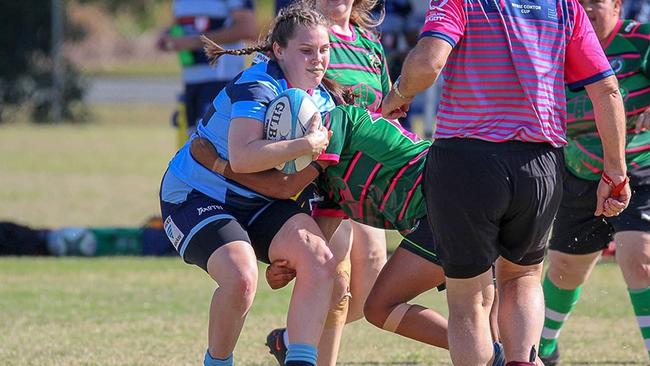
(200, 225)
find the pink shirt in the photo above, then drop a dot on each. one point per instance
(505, 77)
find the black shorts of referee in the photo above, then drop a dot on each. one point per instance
(577, 231)
(486, 200)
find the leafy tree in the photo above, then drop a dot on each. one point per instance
(25, 62)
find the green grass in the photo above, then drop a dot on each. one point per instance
(106, 172)
(135, 311)
(141, 311)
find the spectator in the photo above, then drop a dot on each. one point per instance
(228, 22)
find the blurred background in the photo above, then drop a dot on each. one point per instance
(87, 106)
(87, 100)
(88, 103)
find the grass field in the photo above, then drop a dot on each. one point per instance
(105, 172)
(132, 311)
(142, 311)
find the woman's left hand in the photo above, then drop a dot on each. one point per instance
(317, 135)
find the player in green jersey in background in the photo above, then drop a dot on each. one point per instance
(578, 236)
(358, 62)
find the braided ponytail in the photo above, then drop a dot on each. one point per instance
(214, 51)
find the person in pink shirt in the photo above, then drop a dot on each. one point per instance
(493, 179)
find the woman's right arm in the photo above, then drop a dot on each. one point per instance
(271, 183)
(249, 153)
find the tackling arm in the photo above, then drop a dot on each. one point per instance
(271, 183)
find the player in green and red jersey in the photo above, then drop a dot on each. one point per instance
(377, 170)
(371, 173)
(578, 236)
(358, 62)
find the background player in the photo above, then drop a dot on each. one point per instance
(229, 22)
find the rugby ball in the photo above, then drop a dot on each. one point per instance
(287, 118)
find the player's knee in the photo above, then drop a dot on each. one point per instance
(636, 271)
(375, 312)
(310, 246)
(386, 317)
(241, 290)
(376, 309)
(341, 282)
(567, 272)
(315, 260)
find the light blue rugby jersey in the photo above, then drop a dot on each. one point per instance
(246, 96)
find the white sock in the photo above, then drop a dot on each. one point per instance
(285, 337)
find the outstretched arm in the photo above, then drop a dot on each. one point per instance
(271, 183)
(610, 121)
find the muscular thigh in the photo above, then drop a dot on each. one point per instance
(280, 228)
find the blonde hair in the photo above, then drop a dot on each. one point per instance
(361, 14)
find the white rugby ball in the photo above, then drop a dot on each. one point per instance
(287, 118)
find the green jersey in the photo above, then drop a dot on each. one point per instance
(359, 62)
(628, 51)
(376, 179)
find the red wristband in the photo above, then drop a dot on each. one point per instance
(616, 188)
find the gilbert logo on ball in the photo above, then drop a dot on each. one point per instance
(287, 118)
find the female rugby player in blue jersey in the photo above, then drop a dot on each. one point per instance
(224, 227)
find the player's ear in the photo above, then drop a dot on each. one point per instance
(278, 51)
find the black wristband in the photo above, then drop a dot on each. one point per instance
(317, 167)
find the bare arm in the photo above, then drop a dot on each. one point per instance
(420, 70)
(610, 120)
(271, 183)
(248, 152)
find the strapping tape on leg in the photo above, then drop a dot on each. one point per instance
(339, 312)
(395, 317)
